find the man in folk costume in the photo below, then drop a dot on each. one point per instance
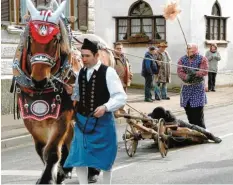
(164, 74)
(122, 67)
(99, 92)
(193, 96)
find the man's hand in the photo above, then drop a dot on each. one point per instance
(191, 72)
(131, 76)
(159, 62)
(69, 88)
(99, 111)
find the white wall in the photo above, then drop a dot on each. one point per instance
(192, 20)
(105, 26)
(201, 8)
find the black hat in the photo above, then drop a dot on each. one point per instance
(158, 112)
(152, 48)
(90, 45)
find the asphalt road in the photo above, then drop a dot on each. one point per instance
(197, 164)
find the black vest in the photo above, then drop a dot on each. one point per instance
(93, 93)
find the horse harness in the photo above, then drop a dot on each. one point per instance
(34, 103)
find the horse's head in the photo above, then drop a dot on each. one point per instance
(48, 39)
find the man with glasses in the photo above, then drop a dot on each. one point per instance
(123, 68)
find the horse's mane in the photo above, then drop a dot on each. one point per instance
(65, 43)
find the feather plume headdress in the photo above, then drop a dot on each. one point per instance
(171, 10)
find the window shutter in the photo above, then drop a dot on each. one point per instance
(5, 9)
(83, 14)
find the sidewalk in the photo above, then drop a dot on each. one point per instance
(221, 97)
(13, 132)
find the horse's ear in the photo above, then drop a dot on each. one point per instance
(59, 11)
(53, 5)
(32, 9)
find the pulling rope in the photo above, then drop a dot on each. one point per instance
(141, 113)
(136, 56)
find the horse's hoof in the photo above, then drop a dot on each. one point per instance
(38, 181)
(69, 175)
(92, 179)
(62, 182)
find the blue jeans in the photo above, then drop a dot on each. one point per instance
(148, 86)
(161, 92)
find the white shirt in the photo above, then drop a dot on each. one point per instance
(118, 96)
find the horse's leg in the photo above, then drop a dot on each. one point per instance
(52, 151)
(39, 149)
(51, 156)
(63, 172)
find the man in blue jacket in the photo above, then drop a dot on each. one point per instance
(149, 68)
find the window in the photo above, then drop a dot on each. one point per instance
(141, 25)
(5, 7)
(216, 24)
(83, 15)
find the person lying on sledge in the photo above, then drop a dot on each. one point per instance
(170, 118)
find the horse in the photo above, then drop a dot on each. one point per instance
(45, 62)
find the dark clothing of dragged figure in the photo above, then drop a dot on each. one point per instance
(170, 118)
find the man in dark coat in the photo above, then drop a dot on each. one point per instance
(149, 68)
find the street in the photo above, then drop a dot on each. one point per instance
(197, 164)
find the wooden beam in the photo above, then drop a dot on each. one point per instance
(17, 11)
(72, 12)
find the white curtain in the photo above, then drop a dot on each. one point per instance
(160, 29)
(215, 29)
(147, 27)
(135, 26)
(122, 29)
(222, 30)
(211, 29)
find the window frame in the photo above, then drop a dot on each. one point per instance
(129, 18)
(219, 19)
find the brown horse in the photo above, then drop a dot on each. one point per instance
(42, 68)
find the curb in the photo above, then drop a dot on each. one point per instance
(26, 139)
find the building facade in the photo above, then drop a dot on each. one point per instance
(139, 24)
